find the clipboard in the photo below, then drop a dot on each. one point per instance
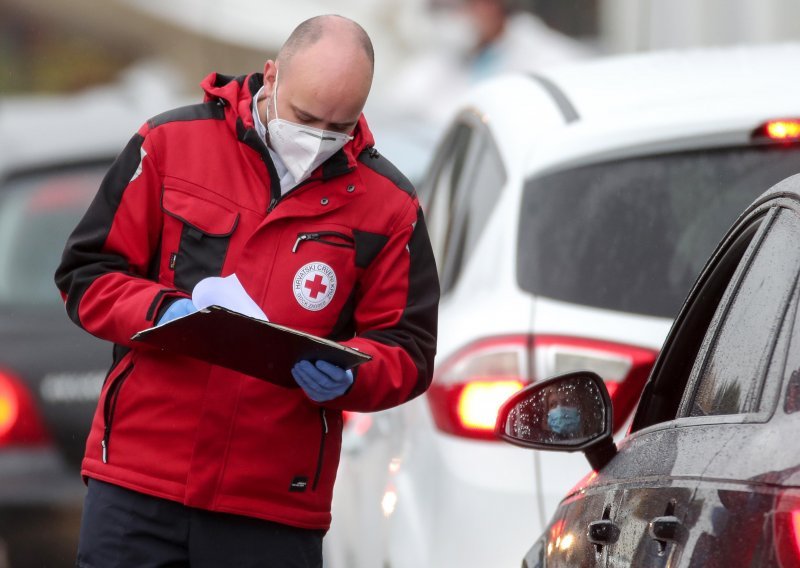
(255, 347)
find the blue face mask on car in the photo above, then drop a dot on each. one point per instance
(564, 420)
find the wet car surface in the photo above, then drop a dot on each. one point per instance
(709, 474)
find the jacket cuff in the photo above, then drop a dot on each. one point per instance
(161, 303)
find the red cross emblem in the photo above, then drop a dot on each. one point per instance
(315, 286)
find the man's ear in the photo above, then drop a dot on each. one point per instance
(270, 74)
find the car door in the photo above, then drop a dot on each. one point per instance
(737, 382)
(732, 384)
(637, 510)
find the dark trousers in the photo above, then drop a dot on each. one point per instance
(125, 529)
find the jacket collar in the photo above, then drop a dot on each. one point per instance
(237, 95)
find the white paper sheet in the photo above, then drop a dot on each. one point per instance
(227, 292)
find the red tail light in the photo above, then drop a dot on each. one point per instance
(20, 424)
(470, 386)
(786, 526)
(787, 130)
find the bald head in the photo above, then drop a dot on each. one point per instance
(345, 32)
(326, 68)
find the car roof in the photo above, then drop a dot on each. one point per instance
(651, 84)
(642, 103)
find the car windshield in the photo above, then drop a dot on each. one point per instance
(37, 214)
(632, 235)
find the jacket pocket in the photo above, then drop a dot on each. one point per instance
(205, 232)
(110, 405)
(330, 238)
(313, 277)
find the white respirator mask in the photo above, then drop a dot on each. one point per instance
(301, 148)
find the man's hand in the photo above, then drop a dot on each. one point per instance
(179, 308)
(322, 381)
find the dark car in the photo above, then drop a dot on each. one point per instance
(55, 154)
(50, 371)
(709, 473)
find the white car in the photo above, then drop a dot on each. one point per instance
(570, 214)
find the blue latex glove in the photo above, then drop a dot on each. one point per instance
(322, 381)
(182, 307)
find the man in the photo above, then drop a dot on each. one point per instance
(476, 40)
(563, 416)
(506, 38)
(275, 179)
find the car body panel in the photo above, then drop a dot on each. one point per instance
(728, 477)
(66, 383)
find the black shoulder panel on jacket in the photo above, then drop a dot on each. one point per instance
(202, 111)
(221, 80)
(255, 83)
(374, 161)
(84, 259)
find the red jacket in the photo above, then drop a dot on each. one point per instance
(344, 255)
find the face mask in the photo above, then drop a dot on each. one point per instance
(301, 148)
(564, 420)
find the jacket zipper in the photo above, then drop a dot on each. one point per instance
(325, 237)
(321, 455)
(273, 202)
(109, 407)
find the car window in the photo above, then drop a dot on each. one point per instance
(37, 214)
(729, 375)
(438, 190)
(460, 193)
(791, 402)
(791, 369)
(664, 390)
(476, 202)
(632, 235)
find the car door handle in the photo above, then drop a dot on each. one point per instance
(602, 532)
(664, 529)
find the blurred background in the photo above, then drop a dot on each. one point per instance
(77, 78)
(51, 47)
(428, 51)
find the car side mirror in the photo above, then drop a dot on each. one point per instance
(568, 413)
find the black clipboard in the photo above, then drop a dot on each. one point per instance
(251, 346)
